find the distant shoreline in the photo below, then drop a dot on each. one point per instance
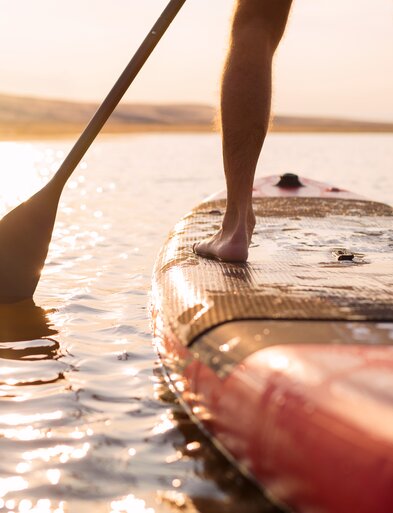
(40, 118)
(40, 131)
(37, 132)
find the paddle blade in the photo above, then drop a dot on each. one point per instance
(25, 234)
(24, 321)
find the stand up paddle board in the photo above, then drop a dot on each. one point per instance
(287, 360)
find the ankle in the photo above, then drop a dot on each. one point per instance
(238, 219)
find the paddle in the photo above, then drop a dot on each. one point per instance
(26, 231)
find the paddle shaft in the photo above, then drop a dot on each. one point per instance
(117, 92)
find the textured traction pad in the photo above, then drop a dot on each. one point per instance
(293, 270)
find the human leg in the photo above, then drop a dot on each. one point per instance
(257, 28)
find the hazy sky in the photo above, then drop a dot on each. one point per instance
(336, 58)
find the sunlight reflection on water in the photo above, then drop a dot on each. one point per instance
(86, 422)
(19, 173)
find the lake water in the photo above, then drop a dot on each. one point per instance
(86, 422)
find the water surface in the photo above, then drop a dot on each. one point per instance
(86, 422)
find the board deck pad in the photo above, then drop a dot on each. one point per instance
(294, 270)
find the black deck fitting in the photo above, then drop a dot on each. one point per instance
(289, 181)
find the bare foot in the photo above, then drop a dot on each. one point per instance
(230, 243)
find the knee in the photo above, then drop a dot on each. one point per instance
(268, 17)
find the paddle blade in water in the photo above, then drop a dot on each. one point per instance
(24, 321)
(25, 234)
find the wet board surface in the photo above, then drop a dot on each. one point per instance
(298, 340)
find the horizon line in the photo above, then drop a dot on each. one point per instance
(337, 118)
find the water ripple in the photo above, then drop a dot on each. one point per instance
(86, 420)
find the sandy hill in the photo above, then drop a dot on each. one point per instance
(24, 116)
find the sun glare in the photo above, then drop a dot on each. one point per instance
(130, 504)
(23, 170)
